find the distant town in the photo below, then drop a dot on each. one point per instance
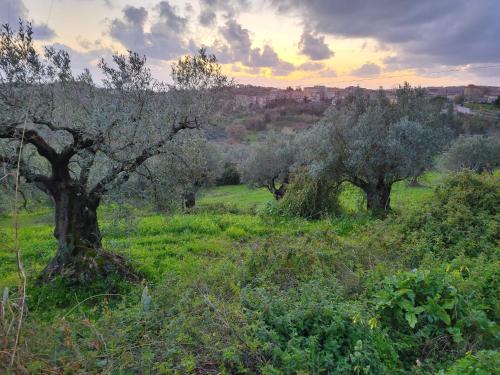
(256, 96)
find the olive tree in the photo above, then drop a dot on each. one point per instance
(479, 153)
(271, 163)
(233, 156)
(175, 177)
(373, 143)
(414, 104)
(83, 139)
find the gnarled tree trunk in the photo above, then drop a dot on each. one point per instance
(378, 198)
(189, 200)
(80, 256)
(278, 192)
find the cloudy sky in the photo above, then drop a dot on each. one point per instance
(284, 42)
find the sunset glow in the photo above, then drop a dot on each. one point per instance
(289, 46)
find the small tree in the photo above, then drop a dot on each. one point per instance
(232, 158)
(478, 153)
(229, 175)
(271, 164)
(415, 105)
(82, 140)
(175, 177)
(372, 143)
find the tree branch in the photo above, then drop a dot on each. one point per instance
(129, 166)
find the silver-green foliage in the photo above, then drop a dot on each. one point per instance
(271, 163)
(479, 153)
(373, 143)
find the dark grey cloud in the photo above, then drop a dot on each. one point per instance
(166, 38)
(210, 8)
(136, 16)
(282, 68)
(367, 69)
(108, 3)
(314, 46)
(13, 10)
(169, 18)
(207, 17)
(237, 47)
(265, 57)
(43, 32)
(447, 32)
(238, 40)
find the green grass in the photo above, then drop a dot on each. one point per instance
(155, 243)
(159, 244)
(217, 261)
(352, 199)
(240, 196)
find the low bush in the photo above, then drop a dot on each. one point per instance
(309, 329)
(461, 218)
(230, 175)
(429, 318)
(485, 362)
(478, 153)
(310, 197)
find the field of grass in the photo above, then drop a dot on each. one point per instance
(158, 243)
(243, 197)
(230, 278)
(240, 196)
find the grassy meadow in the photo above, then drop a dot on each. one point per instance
(233, 288)
(161, 243)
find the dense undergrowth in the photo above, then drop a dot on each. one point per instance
(236, 288)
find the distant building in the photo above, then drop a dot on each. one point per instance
(289, 94)
(315, 93)
(331, 93)
(246, 101)
(473, 93)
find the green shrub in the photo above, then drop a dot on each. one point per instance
(479, 279)
(486, 362)
(229, 176)
(309, 329)
(428, 316)
(310, 197)
(461, 218)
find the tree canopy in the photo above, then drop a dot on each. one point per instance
(373, 143)
(81, 139)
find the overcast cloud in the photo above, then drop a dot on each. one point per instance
(166, 38)
(282, 36)
(314, 46)
(13, 10)
(447, 32)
